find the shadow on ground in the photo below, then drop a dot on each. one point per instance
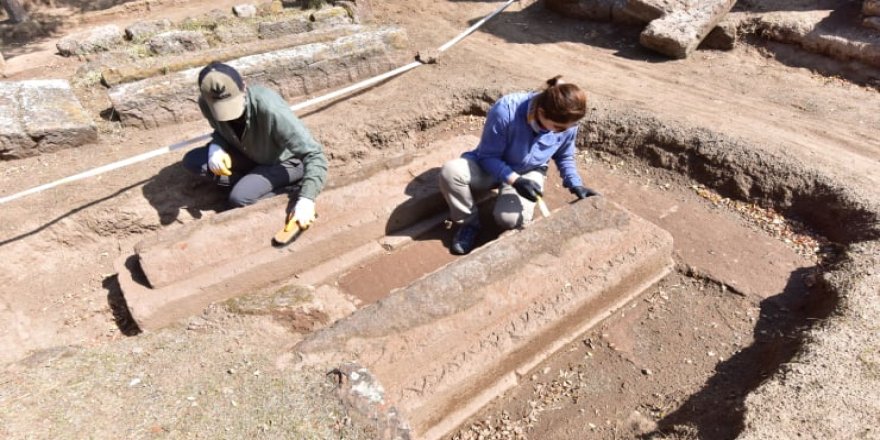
(119, 307)
(174, 189)
(717, 411)
(538, 25)
(70, 213)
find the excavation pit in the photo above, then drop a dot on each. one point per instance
(405, 234)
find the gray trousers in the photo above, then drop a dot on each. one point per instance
(461, 178)
(249, 181)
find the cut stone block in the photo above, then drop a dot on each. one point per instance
(809, 30)
(293, 72)
(239, 33)
(275, 29)
(41, 116)
(679, 32)
(444, 346)
(179, 272)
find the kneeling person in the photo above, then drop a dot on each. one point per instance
(259, 148)
(522, 133)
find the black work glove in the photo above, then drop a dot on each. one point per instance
(527, 188)
(582, 192)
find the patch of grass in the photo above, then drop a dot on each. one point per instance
(138, 50)
(91, 78)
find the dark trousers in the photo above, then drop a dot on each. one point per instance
(249, 181)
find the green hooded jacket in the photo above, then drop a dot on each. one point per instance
(273, 134)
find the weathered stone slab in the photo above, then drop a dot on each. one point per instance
(444, 346)
(293, 72)
(177, 42)
(182, 272)
(98, 39)
(40, 116)
(154, 66)
(236, 33)
(275, 29)
(809, 30)
(678, 33)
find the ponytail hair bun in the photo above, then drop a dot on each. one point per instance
(562, 102)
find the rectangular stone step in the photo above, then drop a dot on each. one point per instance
(422, 360)
(178, 272)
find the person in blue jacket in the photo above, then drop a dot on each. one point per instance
(523, 132)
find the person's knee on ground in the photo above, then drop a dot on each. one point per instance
(452, 174)
(454, 182)
(509, 220)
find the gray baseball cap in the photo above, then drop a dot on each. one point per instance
(223, 90)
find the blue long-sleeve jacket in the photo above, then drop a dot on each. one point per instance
(509, 144)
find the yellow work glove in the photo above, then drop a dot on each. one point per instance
(219, 161)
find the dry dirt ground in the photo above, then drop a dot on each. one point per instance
(678, 362)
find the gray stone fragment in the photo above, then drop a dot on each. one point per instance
(871, 7)
(177, 41)
(678, 33)
(40, 116)
(98, 39)
(293, 25)
(722, 37)
(141, 30)
(872, 23)
(245, 10)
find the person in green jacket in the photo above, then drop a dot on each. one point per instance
(259, 148)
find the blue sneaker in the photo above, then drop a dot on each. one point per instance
(465, 239)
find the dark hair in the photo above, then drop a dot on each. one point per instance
(222, 68)
(562, 102)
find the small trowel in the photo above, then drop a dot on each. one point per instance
(543, 207)
(288, 234)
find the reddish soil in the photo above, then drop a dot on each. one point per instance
(690, 343)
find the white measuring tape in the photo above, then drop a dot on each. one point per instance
(203, 138)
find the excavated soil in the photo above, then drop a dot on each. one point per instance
(673, 141)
